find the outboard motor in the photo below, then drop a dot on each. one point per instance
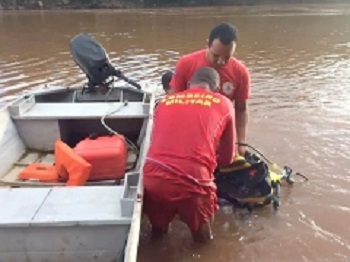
(91, 57)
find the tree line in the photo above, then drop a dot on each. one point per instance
(83, 4)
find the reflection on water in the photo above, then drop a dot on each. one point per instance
(300, 109)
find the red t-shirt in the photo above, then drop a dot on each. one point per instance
(234, 76)
(189, 129)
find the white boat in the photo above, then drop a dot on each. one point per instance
(49, 221)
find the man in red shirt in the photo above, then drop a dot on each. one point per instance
(192, 134)
(234, 76)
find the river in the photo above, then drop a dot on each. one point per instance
(299, 59)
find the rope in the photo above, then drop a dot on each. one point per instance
(301, 175)
(256, 150)
(269, 161)
(129, 142)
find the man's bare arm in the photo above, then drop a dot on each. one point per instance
(241, 108)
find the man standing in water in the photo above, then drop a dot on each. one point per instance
(193, 132)
(234, 76)
(165, 80)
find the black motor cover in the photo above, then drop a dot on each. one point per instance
(91, 57)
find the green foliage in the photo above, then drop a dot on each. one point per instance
(36, 4)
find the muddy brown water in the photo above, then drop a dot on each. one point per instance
(299, 59)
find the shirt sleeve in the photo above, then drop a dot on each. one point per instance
(244, 92)
(227, 144)
(179, 79)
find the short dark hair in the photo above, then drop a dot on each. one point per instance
(166, 78)
(226, 32)
(206, 75)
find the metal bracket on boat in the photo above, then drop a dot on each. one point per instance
(22, 105)
(129, 195)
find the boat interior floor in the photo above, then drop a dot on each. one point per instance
(11, 178)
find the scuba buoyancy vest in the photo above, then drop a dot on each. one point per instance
(250, 182)
(246, 182)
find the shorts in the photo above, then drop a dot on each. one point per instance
(167, 195)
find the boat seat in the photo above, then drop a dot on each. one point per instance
(69, 166)
(56, 111)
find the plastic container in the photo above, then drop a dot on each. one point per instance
(107, 156)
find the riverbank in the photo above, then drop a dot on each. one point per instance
(15, 5)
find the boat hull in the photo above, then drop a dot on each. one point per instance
(97, 222)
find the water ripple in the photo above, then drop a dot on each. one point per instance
(322, 233)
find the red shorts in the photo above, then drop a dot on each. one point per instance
(168, 195)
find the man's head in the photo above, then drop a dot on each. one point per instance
(166, 78)
(221, 44)
(206, 77)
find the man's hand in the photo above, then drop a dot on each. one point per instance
(171, 91)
